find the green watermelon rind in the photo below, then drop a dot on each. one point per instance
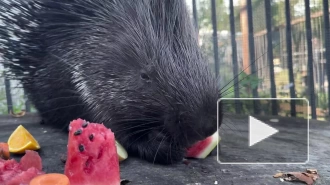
(214, 141)
(122, 153)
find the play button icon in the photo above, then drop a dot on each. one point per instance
(250, 137)
(259, 131)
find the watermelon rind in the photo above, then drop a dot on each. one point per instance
(122, 153)
(215, 139)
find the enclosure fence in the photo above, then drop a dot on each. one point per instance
(286, 60)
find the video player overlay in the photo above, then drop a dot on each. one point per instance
(260, 137)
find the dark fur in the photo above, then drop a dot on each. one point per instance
(144, 74)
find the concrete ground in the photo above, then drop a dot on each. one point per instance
(207, 171)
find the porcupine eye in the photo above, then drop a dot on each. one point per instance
(144, 76)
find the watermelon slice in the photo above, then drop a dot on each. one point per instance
(92, 155)
(203, 148)
(8, 170)
(24, 177)
(31, 159)
(14, 173)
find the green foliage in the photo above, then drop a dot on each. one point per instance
(222, 12)
(249, 81)
(246, 82)
(322, 100)
(278, 11)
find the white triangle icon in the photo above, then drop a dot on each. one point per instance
(259, 131)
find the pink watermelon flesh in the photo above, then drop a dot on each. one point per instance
(31, 159)
(203, 148)
(8, 169)
(7, 175)
(14, 173)
(92, 155)
(24, 177)
(6, 165)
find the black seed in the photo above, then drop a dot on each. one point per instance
(124, 182)
(63, 158)
(81, 148)
(91, 137)
(78, 132)
(85, 124)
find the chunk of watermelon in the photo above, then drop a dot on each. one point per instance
(203, 148)
(6, 165)
(14, 173)
(92, 156)
(8, 174)
(24, 177)
(31, 159)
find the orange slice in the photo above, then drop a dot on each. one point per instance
(50, 179)
(21, 140)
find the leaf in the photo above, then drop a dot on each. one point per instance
(298, 176)
(311, 171)
(313, 176)
(278, 175)
(308, 177)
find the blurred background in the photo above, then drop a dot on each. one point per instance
(258, 48)
(272, 48)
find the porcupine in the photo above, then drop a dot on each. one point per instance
(135, 66)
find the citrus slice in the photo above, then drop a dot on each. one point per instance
(122, 154)
(50, 179)
(21, 140)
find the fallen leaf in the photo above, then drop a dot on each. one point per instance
(313, 176)
(298, 176)
(311, 171)
(278, 175)
(308, 177)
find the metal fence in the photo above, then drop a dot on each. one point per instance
(289, 58)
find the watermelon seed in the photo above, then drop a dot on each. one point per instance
(63, 158)
(81, 148)
(78, 132)
(85, 124)
(91, 137)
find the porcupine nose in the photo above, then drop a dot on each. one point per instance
(210, 125)
(209, 119)
(200, 127)
(187, 128)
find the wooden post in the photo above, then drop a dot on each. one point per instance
(245, 37)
